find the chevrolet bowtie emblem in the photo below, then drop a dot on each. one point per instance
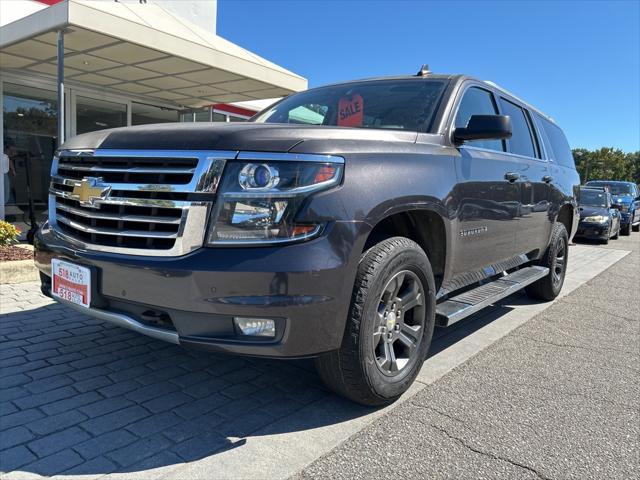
(89, 192)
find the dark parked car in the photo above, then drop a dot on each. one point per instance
(599, 216)
(627, 196)
(342, 223)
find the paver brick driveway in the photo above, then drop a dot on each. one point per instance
(82, 396)
(78, 396)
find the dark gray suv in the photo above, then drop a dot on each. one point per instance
(341, 223)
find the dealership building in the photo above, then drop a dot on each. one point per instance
(74, 66)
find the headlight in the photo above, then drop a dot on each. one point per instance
(258, 201)
(596, 219)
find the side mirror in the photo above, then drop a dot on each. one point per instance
(484, 127)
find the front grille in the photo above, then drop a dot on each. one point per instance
(141, 202)
(120, 225)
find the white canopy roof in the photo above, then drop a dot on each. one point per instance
(143, 50)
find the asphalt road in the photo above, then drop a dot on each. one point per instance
(558, 397)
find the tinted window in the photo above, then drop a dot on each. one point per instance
(389, 104)
(593, 198)
(557, 146)
(521, 141)
(477, 101)
(615, 188)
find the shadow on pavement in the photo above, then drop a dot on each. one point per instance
(78, 396)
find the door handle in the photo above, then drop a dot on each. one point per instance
(511, 176)
(547, 179)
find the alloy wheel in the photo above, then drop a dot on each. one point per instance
(560, 263)
(400, 326)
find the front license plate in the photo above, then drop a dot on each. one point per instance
(71, 282)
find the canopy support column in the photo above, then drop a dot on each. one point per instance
(60, 85)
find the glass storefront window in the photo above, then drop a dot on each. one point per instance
(30, 139)
(142, 114)
(93, 114)
(202, 115)
(219, 117)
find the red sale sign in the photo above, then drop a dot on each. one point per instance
(350, 111)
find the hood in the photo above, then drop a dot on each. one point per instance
(587, 211)
(227, 136)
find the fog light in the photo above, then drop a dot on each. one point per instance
(256, 327)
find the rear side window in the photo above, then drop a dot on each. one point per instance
(477, 101)
(522, 141)
(557, 148)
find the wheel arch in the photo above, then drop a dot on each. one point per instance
(566, 216)
(426, 226)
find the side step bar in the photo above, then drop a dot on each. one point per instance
(468, 303)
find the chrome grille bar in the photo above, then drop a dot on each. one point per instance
(69, 182)
(132, 202)
(109, 231)
(113, 216)
(81, 168)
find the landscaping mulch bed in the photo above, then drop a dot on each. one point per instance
(8, 254)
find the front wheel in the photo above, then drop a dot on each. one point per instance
(556, 259)
(389, 327)
(626, 230)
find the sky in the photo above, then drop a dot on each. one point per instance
(577, 61)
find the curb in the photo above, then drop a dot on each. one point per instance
(19, 271)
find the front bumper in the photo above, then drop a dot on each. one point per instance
(593, 231)
(192, 299)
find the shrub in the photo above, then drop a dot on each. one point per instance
(8, 234)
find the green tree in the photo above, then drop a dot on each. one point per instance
(607, 164)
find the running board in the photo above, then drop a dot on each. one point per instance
(468, 303)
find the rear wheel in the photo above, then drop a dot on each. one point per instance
(389, 328)
(555, 259)
(626, 230)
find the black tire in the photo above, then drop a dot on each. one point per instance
(626, 231)
(635, 228)
(549, 287)
(354, 371)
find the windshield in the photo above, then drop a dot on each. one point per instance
(389, 104)
(615, 188)
(593, 198)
